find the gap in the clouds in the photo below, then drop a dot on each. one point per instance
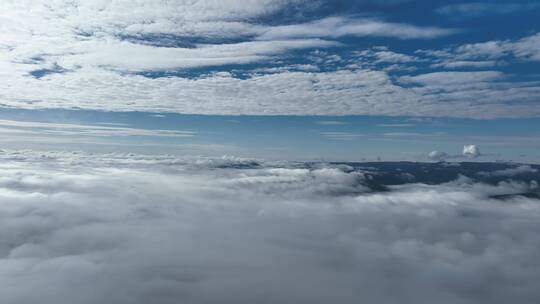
(386, 174)
(521, 70)
(295, 12)
(55, 69)
(328, 138)
(176, 41)
(424, 13)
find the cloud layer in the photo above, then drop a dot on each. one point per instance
(226, 57)
(84, 228)
(360, 92)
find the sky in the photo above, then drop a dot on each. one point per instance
(274, 79)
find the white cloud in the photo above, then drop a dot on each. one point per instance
(471, 151)
(527, 48)
(333, 135)
(126, 56)
(334, 27)
(437, 155)
(331, 122)
(449, 79)
(450, 64)
(99, 137)
(139, 229)
(186, 18)
(396, 125)
(392, 57)
(63, 129)
(489, 53)
(472, 9)
(511, 171)
(380, 57)
(359, 92)
(75, 34)
(84, 55)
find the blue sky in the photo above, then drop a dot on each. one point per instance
(281, 79)
(300, 138)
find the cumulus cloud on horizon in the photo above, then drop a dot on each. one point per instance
(437, 155)
(471, 151)
(137, 229)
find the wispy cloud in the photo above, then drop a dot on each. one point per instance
(412, 134)
(126, 56)
(341, 135)
(471, 9)
(488, 53)
(396, 125)
(47, 128)
(522, 169)
(331, 122)
(334, 27)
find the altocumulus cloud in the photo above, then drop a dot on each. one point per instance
(123, 228)
(144, 56)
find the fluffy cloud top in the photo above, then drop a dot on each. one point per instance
(83, 228)
(437, 155)
(471, 151)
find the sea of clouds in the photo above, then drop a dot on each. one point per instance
(122, 228)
